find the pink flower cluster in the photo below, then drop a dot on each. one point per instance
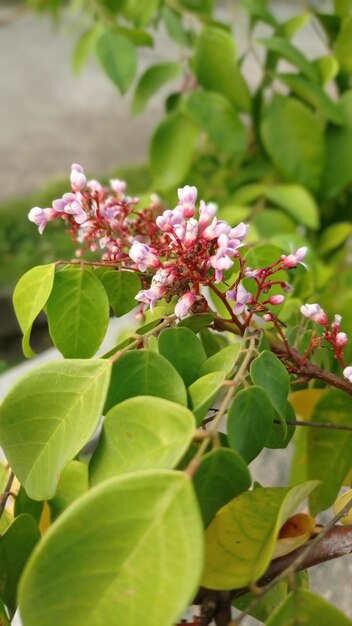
(332, 333)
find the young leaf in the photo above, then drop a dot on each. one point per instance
(141, 433)
(121, 287)
(203, 393)
(171, 150)
(118, 58)
(173, 23)
(78, 313)
(240, 540)
(343, 45)
(216, 68)
(184, 351)
(222, 475)
(109, 571)
(304, 607)
(220, 120)
(151, 81)
(222, 361)
(84, 46)
(249, 422)
(140, 11)
(16, 544)
(293, 138)
(144, 373)
(48, 416)
(286, 50)
(269, 373)
(329, 451)
(30, 296)
(295, 24)
(296, 201)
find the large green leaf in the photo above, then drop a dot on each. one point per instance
(48, 416)
(304, 608)
(222, 475)
(151, 81)
(220, 120)
(141, 433)
(78, 313)
(73, 483)
(293, 138)
(286, 50)
(240, 540)
(268, 372)
(249, 422)
(184, 350)
(16, 544)
(296, 201)
(118, 58)
(203, 392)
(104, 558)
(171, 150)
(222, 361)
(145, 373)
(314, 95)
(121, 287)
(30, 296)
(329, 451)
(216, 68)
(343, 45)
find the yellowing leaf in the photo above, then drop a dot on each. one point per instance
(304, 402)
(340, 503)
(294, 533)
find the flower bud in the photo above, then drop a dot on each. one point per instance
(276, 299)
(77, 178)
(184, 304)
(291, 260)
(314, 312)
(341, 339)
(347, 372)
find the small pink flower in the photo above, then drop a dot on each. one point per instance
(291, 260)
(143, 256)
(191, 233)
(118, 186)
(150, 296)
(170, 219)
(94, 186)
(41, 217)
(276, 299)
(75, 209)
(239, 232)
(314, 312)
(78, 179)
(241, 296)
(206, 214)
(187, 197)
(341, 339)
(215, 230)
(184, 304)
(347, 372)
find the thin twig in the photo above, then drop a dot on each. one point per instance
(6, 493)
(327, 426)
(154, 331)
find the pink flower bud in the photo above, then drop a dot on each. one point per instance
(191, 233)
(267, 317)
(94, 186)
(184, 304)
(118, 186)
(187, 197)
(341, 339)
(347, 372)
(293, 259)
(314, 312)
(41, 217)
(276, 299)
(206, 214)
(143, 255)
(77, 178)
(336, 323)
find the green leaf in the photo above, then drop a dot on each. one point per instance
(140, 12)
(343, 45)
(144, 373)
(48, 416)
(216, 68)
(337, 173)
(304, 607)
(173, 23)
(314, 95)
(24, 504)
(197, 322)
(249, 422)
(296, 201)
(271, 222)
(16, 544)
(258, 10)
(73, 483)
(222, 361)
(268, 372)
(78, 313)
(221, 476)
(295, 24)
(329, 451)
(4, 476)
(4, 621)
(111, 6)
(151, 81)
(184, 350)
(118, 58)
(121, 287)
(30, 296)
(84, 46)
(263, 255)
(342, 7)
(327, 67)
(266, 605)
(171, 150)
(293, 138)
(198, 6)
(220, 120)
(109, 571)
(140, 434)
(281, 433)
(240, 540)
(203, 393)
(284, 49)
(334, 236)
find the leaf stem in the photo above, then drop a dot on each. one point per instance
(4, 496)
(154, 331)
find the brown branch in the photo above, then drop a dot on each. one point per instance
(315, 425)
(4, 496)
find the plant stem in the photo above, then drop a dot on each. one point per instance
(315, 425)
(154, 331)
(7, 492)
